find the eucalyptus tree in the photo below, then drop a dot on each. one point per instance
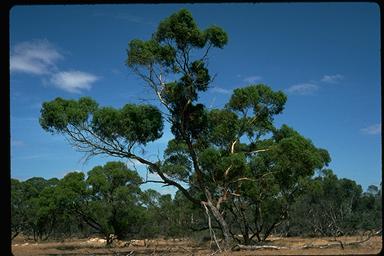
(107, 200)
(34, 212)
(18, 208)
(329, 206)
(278, 178)
(211, 148)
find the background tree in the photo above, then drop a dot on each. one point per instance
(315, 210)
(330, 206)
(38, 210)
(107, 200)
(276, 178)
(18, 208)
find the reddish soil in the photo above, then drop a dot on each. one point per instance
(72, 247)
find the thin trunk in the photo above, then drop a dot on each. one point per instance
(246, 235)
(109, 239)
(212, 233)
(269, 230)
(15, 235)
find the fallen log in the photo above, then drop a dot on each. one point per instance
(336, 243)
(320, 246)
(257, 247)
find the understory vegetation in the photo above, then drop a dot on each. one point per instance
(108, 202)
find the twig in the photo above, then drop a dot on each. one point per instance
(185, 249)
(214, 252)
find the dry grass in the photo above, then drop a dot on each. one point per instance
(77, 247)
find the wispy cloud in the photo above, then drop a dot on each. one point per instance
(303, 89)
(332, 79)
(372, 129)
(252, 79)
(221, 90)
(73, 81)
(36, 57)
(39, 57)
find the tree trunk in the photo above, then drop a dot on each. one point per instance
(246, 238)
(223, 224)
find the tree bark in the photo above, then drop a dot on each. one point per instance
(223, 224)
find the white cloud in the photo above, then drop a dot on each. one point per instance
(303, 89)
(73, 81)
(36, 57)
(221, 90)
(252, 79)
(39, 57)
(332, 79)
(372, 130)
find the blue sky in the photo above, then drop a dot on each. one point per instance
(324, 56)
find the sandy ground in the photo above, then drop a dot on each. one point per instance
(21, 247)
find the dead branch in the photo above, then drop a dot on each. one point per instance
(233, 147)
(370, 234)
(185, 249)
(258, 151)
(214, 252)
(320, 246)
(257, 247)
(336, 243)
(211, 231)
(227, 171)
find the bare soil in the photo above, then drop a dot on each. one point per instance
(75, 247)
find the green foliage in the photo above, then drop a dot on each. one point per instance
(33, 207)
(331, 206)
(107, 201)
(223, 127)
(105, 180)
(59, 113)
(264, 104)
(275, 178)
(181, 28)
(148, 53)
(18, 208)
(110, 204)
(259, 98)
(83, 118)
